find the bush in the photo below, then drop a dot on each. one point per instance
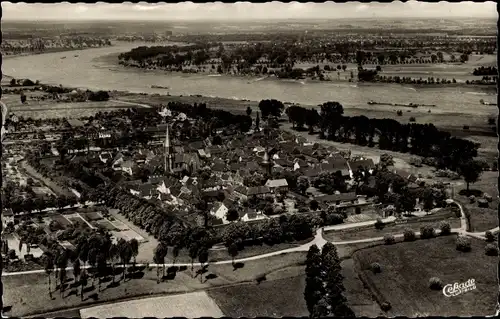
(435, 283)
(491, 250)
(399, 113)
(482, 203)
(445, 228)
(376, 268)
(379, 224)
(409, 235)
(389, 239)
(12, 254)
(463, 244)
(412, 119)
(357, 210)
(489, 236)
(491, 121)
(427, 232)
(385, 306)
(416, 161)
(260, 278)
(466, 127)
(472, 199)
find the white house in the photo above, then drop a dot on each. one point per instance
(220, 211)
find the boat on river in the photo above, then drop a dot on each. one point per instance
(159, 87)
(486, 103)
(402, 105)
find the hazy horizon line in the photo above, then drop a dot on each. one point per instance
(244, 19)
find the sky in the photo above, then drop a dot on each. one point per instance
(190, 11)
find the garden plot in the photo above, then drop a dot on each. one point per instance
(128, 235)
(13, 243)
(190, 305)
(63, 221)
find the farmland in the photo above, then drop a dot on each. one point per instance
(407, 268)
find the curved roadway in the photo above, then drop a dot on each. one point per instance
(318, 240)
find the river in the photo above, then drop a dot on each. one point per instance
(91, 70)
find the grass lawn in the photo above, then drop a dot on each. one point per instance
(28, 294)
(407, 268)
(276, 298)
(369, 232)
(219, 254)
(482, 219)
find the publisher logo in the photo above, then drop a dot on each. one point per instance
(453, 290)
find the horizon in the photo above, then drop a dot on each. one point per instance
(244, 11)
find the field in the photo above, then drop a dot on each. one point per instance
(276, 298)
(482, 219)
(407, 268)
(30, 299)
(370, 232)
(191, 305)
(414, 223)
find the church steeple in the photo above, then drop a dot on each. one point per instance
(168, 152)
(266, 162)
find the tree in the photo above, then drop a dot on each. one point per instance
(314, 286)
(113, 255)
(76, 270)
(202, 258)
(314, 205)
(193, 253)
(175, 252)
(470, 171)
(83, 281)
(233, 251)
(232, 215)
(134, 246)
(257, 122)
(249, 111)
(125, 252)
(158, 258)
(386, 160)
(302, 184)
(101, 268)
(49, 268)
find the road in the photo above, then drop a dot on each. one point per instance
(318, 241)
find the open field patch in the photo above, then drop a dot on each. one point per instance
(276, 298)
(407, 268)
(482, 219)
(190, 305)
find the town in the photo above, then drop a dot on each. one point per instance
(316, 168)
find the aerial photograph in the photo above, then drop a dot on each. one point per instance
(249, 160)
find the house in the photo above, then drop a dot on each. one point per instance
(277, 184)
(338, 199)
(334, 165)
(259, 191)
(128, 167)
(75, 123)
(406, 175)
(252, 215)
(144, 190)
(311, 172)
(219, 210)
(105, 157)
(7, 216)
(366, 164)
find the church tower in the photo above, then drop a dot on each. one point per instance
(168, 152)
(266, 163)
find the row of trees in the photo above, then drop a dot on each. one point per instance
(419, 139)
(324, 291)
(97, 250)
(482, 70)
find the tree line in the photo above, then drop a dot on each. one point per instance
(98, 251)
(324, 290)
(420, 139)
